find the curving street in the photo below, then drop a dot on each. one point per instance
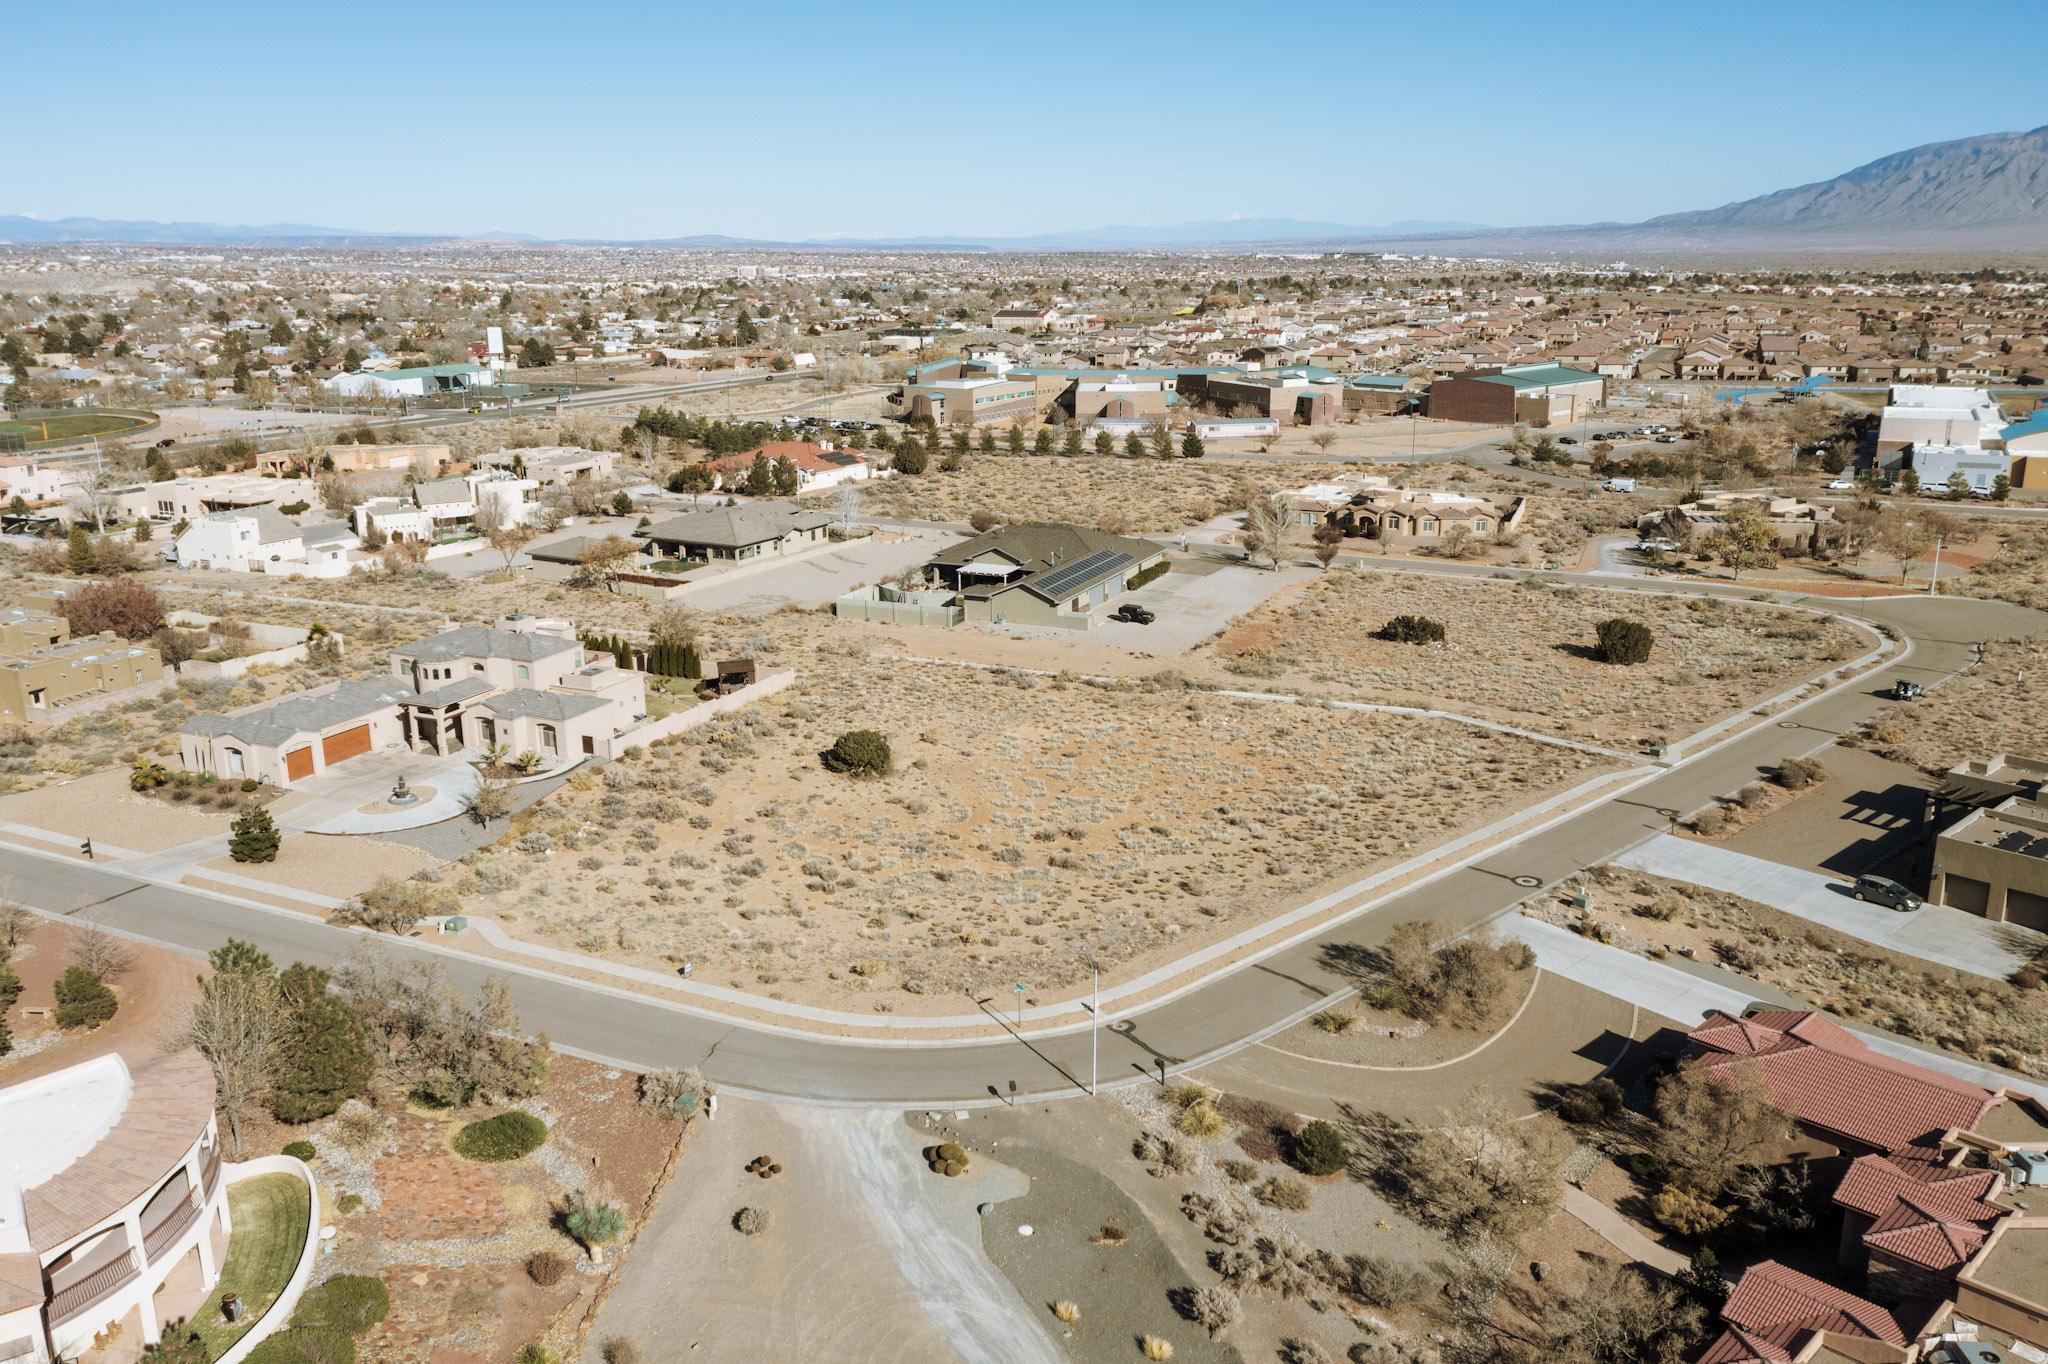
(1215, 1018)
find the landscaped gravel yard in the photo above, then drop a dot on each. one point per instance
(1518, 653)
(1022, 813)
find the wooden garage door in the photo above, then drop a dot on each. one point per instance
(347, 744)
(298, 763)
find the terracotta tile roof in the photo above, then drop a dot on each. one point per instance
(1827, 1078)
(1737, 1346)
(1929, 1232)
(1873, 1184)
(1778, 1306)
(168, 1108)
(807, 456)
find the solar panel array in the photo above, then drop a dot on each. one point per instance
(1063, 580)
(2025, 844)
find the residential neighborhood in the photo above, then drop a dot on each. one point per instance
(622, 740)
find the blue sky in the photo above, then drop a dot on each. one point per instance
(815, 120)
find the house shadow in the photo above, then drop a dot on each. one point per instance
(1904, 835)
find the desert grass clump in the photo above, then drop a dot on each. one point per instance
(1068, 1312)
(1156, 1348)
(751, 1221)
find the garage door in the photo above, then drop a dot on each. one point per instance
(2028, 911)
(1966, 892)
(298, 763)
(347, 744)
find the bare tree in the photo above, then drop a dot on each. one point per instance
(337, 495)
(237, 1024)
(848, 508)
(674, 623)
(100, 952)
(15, 921)
(94, 493)
(506, 534)
(1265, 524)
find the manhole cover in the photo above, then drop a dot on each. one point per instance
(1527, 882)
(1788, 724)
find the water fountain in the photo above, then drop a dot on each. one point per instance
(401, 794)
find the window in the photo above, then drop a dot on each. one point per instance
(590, 744)
(524, 672)
(235, 764)
(548, 739)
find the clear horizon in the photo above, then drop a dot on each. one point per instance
(813, 122)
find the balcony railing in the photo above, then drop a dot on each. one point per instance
(175, 1223)
(209, 1171)
(69, 1301)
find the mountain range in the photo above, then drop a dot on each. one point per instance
(1986, 193)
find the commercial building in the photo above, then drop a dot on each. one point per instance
(1307, 397)
(1044, 573)
(410, 383)
(1382, 394)
(1532, 394)
(525, 684)
(113, 1204)
(1937, 414)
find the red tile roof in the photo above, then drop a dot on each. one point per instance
(807, 456)
(1873, 1184)
(1778, 1306)
(1827, 1078)
(1737, 1346)
(1929, 1232)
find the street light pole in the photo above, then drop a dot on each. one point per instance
(1094, 1010)
(1934, 577)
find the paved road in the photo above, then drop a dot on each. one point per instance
(1214, 1020)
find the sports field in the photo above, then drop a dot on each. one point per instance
(68, 426)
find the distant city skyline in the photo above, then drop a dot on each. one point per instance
(804, 121)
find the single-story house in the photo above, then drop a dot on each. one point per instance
(741, 531)
(1043, 573)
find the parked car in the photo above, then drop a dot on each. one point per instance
(1567, 440)
(1903, 690)
(1667, 440)
(1838, 485)
(1133, 614)
(1882, 890)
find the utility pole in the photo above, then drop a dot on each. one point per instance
(1934, 577)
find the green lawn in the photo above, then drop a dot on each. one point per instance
(69, 426)
(272, 1216)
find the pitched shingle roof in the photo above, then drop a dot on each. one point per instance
(1826, 1077)
(541, 705)
(279, 721)
(736, 527)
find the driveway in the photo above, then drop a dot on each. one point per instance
(1193, 602)
(1936, 933)
(332, 802)
(813, 579)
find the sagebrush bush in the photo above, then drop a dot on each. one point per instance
(859, 753)
(546, 1268)
(1623, 641)
(1411, 630)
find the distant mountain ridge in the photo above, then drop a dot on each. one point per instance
(1975, 193)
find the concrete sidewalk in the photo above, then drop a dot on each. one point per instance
(1685, 998)
(1936, 933)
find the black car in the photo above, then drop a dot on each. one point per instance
(1882, 890)
(1133, 613)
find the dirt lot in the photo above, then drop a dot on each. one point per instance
(1136, 496)
(449, 1236)
(101, 806)
(1018, 809)
(154, 992)
(1516, 653)
(1987, 1021)
(1991, 709)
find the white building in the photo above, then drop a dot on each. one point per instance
(1934, 465)
(430, 512)
(113, 1204)
(1938, 414)
(264, 540)
(410, 383)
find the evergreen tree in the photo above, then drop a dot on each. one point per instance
(1191, 446)
(254, 837)
(692, 664)
(237, 956)
(83, 999)
(324, 1059)
(744, 330)
(81, 556)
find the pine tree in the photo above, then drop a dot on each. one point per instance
(83, 999)
(692, 662)
(81, 556)
(324, 1059)
(254, 837)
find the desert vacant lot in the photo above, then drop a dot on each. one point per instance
(1022, 812)
(1515, 652)
(1113, 494)
(1987, 710)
